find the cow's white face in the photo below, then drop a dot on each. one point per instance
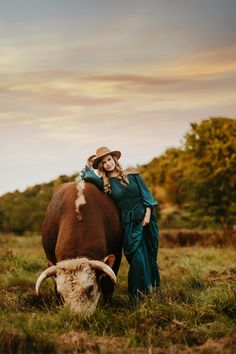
(77, 285)
(76, 282)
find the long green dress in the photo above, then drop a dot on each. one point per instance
(140, 243)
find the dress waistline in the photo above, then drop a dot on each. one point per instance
(134, 214)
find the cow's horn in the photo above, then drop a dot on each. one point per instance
(44, 275)
(105, 268)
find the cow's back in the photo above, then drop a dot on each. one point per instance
(94, 232)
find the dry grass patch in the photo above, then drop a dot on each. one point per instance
(195, 311)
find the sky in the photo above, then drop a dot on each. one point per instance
(130, 75)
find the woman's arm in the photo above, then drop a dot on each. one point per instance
(147, 216)
(148, 199)
(88, 175)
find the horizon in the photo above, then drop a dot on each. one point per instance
(24, 188)
(133, 76)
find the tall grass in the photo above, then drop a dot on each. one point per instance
(194, 310)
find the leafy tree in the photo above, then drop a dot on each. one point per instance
(21, 212)
(200, 177)
(211, 146)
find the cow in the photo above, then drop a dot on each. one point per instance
(82, 240)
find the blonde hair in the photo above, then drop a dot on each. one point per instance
(122, 176)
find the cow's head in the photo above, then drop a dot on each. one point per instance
(77, 284)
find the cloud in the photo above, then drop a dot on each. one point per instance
(70, 88)
(67, 105)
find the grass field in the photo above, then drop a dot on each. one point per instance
(195, 312)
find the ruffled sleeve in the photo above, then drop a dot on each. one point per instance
(148, 199)
(88, 175)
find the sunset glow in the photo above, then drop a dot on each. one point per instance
(77, 75)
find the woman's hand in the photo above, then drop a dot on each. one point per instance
(146, 218)
(90, 160)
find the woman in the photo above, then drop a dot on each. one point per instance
(136, 205)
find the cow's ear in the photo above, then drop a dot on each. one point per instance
(110, 260)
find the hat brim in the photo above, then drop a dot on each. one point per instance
(98, 159)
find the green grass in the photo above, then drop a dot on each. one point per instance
(195, 309)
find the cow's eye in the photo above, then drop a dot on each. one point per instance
(89, 289)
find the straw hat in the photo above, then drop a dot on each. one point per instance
(101, 152)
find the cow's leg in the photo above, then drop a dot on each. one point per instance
(107, 288)
(55, 284)
(105, 282)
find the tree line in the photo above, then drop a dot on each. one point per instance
(195, 184)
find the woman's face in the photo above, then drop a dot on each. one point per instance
(108, 163)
